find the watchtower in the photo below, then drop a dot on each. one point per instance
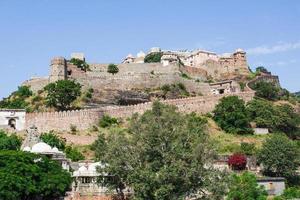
(58, 69)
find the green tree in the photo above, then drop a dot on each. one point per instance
(107, 121)
(245, 187)
(266, 90)
(289, 194)
(231, 115)
(261, 69)
(23, 92)
(62, 93)
(11, 142)
(29, 176)
(279, 157)
(112, 69)
(163, 155)
(74, 154)
(153, 57)
(53, 140)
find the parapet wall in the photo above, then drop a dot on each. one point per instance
(84, 119)
(62, 121)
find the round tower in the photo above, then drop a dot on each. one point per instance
(58, 69)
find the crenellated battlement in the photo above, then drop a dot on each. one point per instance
(84, 119)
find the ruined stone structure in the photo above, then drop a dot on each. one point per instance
(84, 119)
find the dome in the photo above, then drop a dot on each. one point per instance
(129, 56)
(55, 150)
(82, 169)
(141, 54)
(239, 50)
(26, 148)
(41, 147)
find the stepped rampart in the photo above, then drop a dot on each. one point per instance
(84, 119)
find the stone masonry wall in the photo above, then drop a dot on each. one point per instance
(84, 119)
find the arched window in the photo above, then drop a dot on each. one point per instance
(12, 123)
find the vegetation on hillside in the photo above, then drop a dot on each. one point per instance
(80, 64)
(112, 69)
(62, 93)
(153, 57)
(245, 186)
(161, 156)
(280, 157)
(17, 100)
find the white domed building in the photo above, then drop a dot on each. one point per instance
(52, 153)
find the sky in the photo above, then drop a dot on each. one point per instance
(34, 31)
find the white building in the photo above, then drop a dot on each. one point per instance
(12, 119)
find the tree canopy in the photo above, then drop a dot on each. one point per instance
(163, 155)
(153, 57)
(17, 100)
(11, 142)
(266, 90)
(231, 115)
(245, 187)
(62, 93)
(279, 156)
(29, 176)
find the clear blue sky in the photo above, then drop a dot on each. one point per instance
(34, 31)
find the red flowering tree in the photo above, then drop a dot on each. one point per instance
(237, 161)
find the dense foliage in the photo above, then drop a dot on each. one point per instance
(289, 193)
(262, 69)
(107, 121)
(245, 187)
(29, 176)
(55, 141)
(112, 69)
(231, 115)
(163, 155)
(237, 161)
(277, 118)
(174, 90)
(153, 57)
(279, 157)
(80, 64)
(11, 142)
(62, 93)
(266, 90)
(17, 100)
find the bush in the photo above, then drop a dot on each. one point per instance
(80, 64)
(107, 121)
(266, 90)
(53, 140)
(73, 129)
(153, 57)
(237, 161)
(231, 115)
(74, 154)
(112, 69)
(9, 142)
(289, 193)
(248, 148)
(23, 92)
(184, 75)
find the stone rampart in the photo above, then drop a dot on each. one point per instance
(84, 119)
(62, 121)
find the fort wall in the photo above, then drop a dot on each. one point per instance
(84, 119)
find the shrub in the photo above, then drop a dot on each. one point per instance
(248, 148)
(53, 140)
(73, 129)
(231, 115)
(80, 64)
(237, 161)
(74, 154)
(266, 90)
(9, 142)
(289, 193)
(112, 69)
(153, 57)
(184, 75)
(107, 121)
(23, 92)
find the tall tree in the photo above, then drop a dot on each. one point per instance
(163, 155)
(62, 93)
(29, 176)
(279, 157)
(245, 187)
